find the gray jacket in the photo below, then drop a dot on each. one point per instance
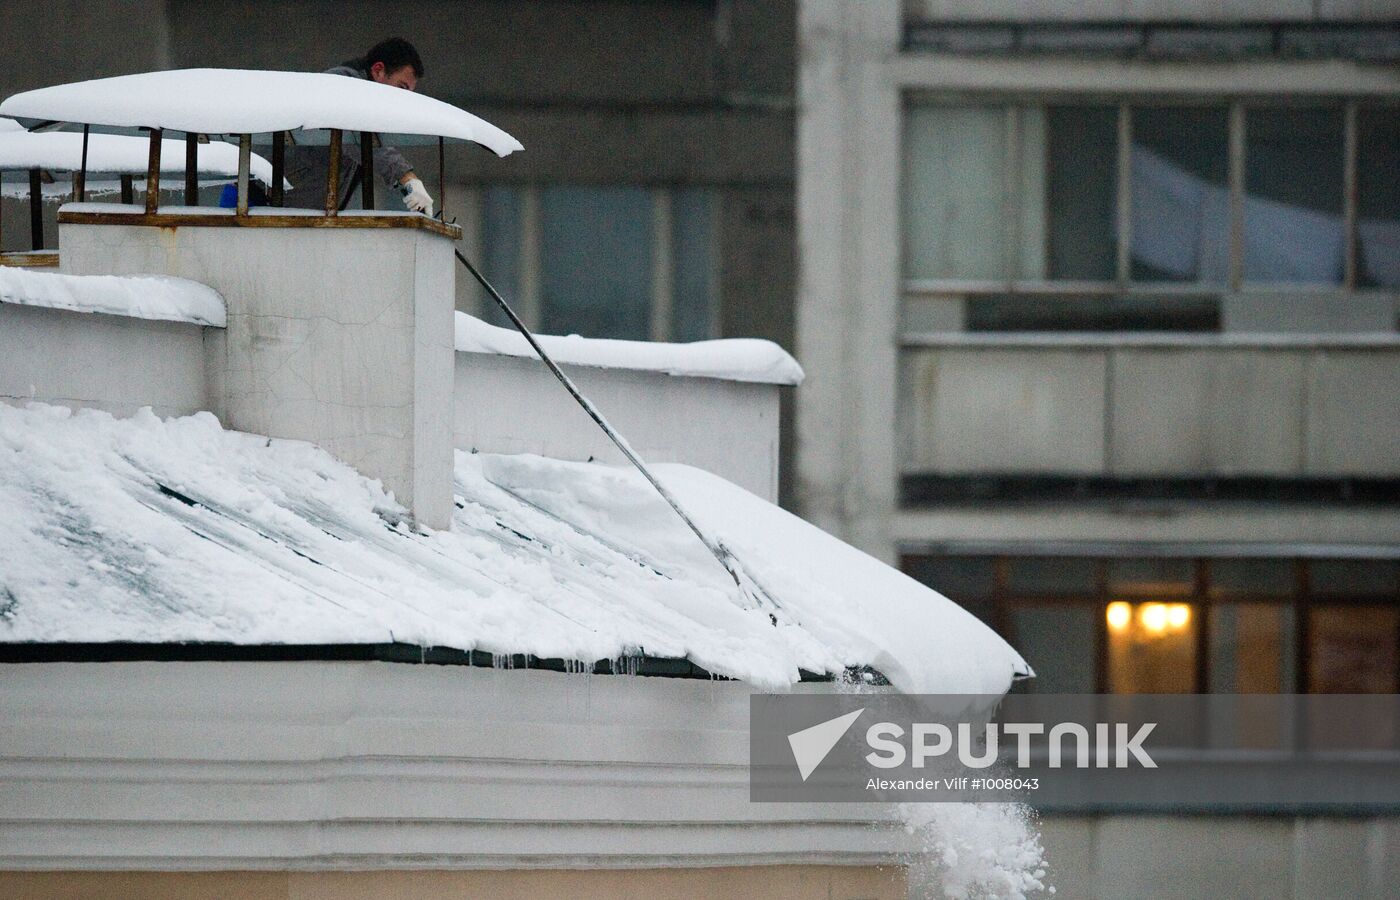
(307, 166)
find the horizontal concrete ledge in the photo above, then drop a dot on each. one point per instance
(1385, 340)
(217, 219)
(484, 862)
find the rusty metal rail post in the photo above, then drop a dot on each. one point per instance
(279, 165)
(36, 210)
(442, 180)
(153, 173)
(333, 176)
(245, 159)
(367, 170)
(191, 169)
(80, 180)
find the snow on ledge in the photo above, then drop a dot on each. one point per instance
(732, 359)
(63, 150)
(137, 296)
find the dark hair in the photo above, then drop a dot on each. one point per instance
(394, 53)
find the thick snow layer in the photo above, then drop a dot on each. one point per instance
(139, 296)
(244, 101)
(735, 359)
(63, 151)
(274, 541)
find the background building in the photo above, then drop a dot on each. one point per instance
(1098, 305)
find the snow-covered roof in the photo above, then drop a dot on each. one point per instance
(733, 359)
(138, 296)
(127, 154)
(245, 101)
(145, 530)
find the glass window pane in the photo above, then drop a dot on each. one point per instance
(1378, 200)
(1293, 182)
(1151, 577)
(500, 244)
(966, 580)
(1253, 577)
(693, 305)
(1083, 191)
(1251, 648)
(1088, 313)
(1180, 194)
(954, 192)
(1053, 575)
(596, 257)
(1352, 650)
(1151, 647)
(1363, 577)
(1058, 642)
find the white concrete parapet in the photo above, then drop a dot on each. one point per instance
(508, 404)
(341, 336)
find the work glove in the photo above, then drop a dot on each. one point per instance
(415, 196)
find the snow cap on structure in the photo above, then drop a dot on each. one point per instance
(246, 101)
(120, 153)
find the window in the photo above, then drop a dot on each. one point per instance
(1185, 625)
(612, 261)
(1129, 215)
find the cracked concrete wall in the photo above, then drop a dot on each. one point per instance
(729, 428)
(113, 363)
(341, 337)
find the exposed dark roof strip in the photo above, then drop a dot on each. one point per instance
(122, 651)
(926, 489)
(1363, 42)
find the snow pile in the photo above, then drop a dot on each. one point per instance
(976, 850)
(63, 151)
(245, 101)
(734, 359)
(160, 531)
(138, 296)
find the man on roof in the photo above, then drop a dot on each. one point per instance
(394, 62)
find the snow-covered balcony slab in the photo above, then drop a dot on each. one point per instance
(106, 342)
(710, 404)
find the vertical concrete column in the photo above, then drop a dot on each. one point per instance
(342, 337)
(848, 293)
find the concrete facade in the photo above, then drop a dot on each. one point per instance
(505, 404)
(113, 363)
(799, 882)
(310, 766)
(359, 363)
(1132, 408)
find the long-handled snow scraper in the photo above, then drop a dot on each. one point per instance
(747, 584)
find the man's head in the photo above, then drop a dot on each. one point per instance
(394, 62)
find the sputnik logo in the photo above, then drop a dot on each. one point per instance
(811, 745)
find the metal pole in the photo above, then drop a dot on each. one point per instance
(153, 173)
(333, 175)
(245, 156)
(279, 165)
(128, 191)
(367, 170)
(191, 169)
(742, 579)
(80, 182)
(442, 180)
(36, 210)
